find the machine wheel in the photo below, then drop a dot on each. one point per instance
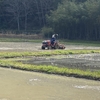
(43, 47)
(56, 46)
(49, 47)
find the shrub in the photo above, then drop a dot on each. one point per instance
(47, 31)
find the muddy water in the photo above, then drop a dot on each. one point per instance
(80, 61)
(22, 85)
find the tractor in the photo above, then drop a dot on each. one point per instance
(47, 44)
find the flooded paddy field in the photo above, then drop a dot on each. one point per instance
(79, 61)
(82, 61)
(29, 46)
(24, 85)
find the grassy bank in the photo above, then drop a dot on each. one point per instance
(19, 40)
(9, 59)
(46, 53)
(51, 69)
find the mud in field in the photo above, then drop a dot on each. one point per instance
(29, 46)
(24, 85)
(19, 46)
(80, 61)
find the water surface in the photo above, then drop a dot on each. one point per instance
(23, 85)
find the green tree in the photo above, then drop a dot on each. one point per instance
(64, 18)
(26, 14)
(74, 20)
(2, 17)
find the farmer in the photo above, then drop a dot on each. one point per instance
(53, 39)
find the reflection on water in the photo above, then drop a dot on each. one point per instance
(88, 87)
(23, 85)
(3, 99)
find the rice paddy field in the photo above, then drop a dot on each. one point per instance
(76, 60)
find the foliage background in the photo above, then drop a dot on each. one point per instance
(71, 19)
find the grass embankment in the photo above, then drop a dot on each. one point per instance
(51, 69)
(46, 53)
(19, 40)
(6, 61)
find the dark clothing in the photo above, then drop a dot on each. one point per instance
(52, 41)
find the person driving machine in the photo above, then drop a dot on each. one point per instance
(53, 39)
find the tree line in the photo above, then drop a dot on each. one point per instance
(76, 19)
(25, 14)
(71, 19)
